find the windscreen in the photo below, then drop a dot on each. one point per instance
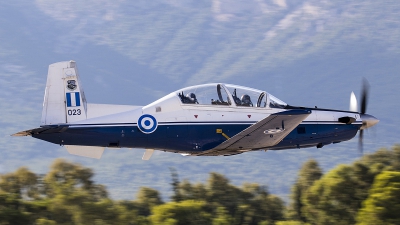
(275, 102)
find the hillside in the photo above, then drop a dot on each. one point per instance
(304, 52)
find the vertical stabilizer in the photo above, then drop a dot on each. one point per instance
(64, 99)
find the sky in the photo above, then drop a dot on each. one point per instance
(304, 52)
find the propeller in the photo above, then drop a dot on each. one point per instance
(367, 120)
(363, 107)
(360, 142)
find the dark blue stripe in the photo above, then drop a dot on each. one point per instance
(177, 123)
(69, 100)
(214, 122)
(77, 99)
(201, 123)
(99, 124)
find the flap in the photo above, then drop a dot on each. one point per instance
(263, 134)
(85, 151)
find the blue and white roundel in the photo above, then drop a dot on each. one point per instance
(147, 123)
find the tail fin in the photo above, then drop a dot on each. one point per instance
(64, 99)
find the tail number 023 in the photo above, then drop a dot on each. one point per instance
(74, 112)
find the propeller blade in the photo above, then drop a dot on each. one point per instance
(363, 110)
(360, 142)
(364, 96)
(353, 102)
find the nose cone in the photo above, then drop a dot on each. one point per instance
(368, 121)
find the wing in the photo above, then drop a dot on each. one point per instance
(263, 134)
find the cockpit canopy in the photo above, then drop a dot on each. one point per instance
(228, 95)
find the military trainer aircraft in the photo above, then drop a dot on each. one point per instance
(204, 120)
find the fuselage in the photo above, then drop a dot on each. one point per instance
(192, 128)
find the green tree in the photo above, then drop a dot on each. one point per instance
(187, 212)
(382, 160)
(338, 195)
(17, 189)
(249, 204)
(22, 182)
(189, 191)
(222, 217)
(176, 197)
(221, 193)
(308, 174)
(331, 200)
(67, 178)
(146, 199)
(12, 210)
(383, 203)
(290, 222)
(42, 221)
(73, 197)
(128, 214)
(263, 205)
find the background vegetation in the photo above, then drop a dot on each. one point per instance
(364, 192)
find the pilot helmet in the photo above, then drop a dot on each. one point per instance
(245, 99)
(191, 96)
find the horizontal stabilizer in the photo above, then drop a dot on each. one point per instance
(85, 151)
(24, 133)
(42, 130)
(147, 154)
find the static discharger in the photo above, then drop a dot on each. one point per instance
(219, 131)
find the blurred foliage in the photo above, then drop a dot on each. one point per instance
(382, 205)
(337, 196)
(308, 174)
(181, 213)
(365, 192)
(250, 204)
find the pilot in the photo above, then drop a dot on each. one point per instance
(191, 97)
(246, 101)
